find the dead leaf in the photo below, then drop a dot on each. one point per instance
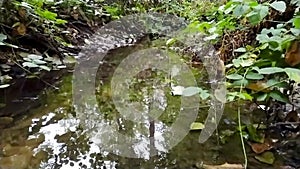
(292, 56)
(258, 86)
(260, 147)
(21, 29)
(224, 166)
(292, 116)
(22, 12)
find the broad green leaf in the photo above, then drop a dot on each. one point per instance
(61, 66)
(240, 10)
(263, 38)
(2, 37)
(4, 86)
(276, 83)
(197, 126)
(45, 68)
(240, 50)
(243, 82)
(266, 157)
(294, 74)
(254, 76)
(230, 98)
(263, 12)
(49, 15)
(295, 31)
(39, 62)
(247, 63)
(60, 21)
(27, 59)
(29, 64)
(295, 2)
(296, 22)
(236, 62)
(277, 95)
(190, 91)
(262, 97)
(279, 6)
(212, 37)
(204, 94)
(245, 96)
(270, 70)
(35, 57)
(230, 9)
(254, 19)
(170, 41)
(234, 77)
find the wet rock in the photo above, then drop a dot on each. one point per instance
(35, 142)
(20, 160)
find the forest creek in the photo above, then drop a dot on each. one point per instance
(150, 84)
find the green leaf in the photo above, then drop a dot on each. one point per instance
(276, 83)
(11, 45)
(245, 96)
(295, 2)
(279, 6)
(204, 94)
(277, 95)
(263, 38)
(270, 70)
(266, 157)
(243, 82)
(254, 19)
(61, 67)
(39, 62)
(60, 21)
(34, 57)
(29, 64)
(234, 77)
(240, 10)
(48, 15)
(262, 97)
(263, 12)
(295, 31)
(170, 41)
(254, 76)
(236, 62)
(296, 22)
(2, 37)
(69, 60)
(45, 68)
(254, 134)
(247, 63)
(294, 74)
(4, 86)
(190, 91)
(242, 50)
(197, 126)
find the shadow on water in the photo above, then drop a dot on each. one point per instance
(42, 129)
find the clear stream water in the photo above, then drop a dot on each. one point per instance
(46, 133)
